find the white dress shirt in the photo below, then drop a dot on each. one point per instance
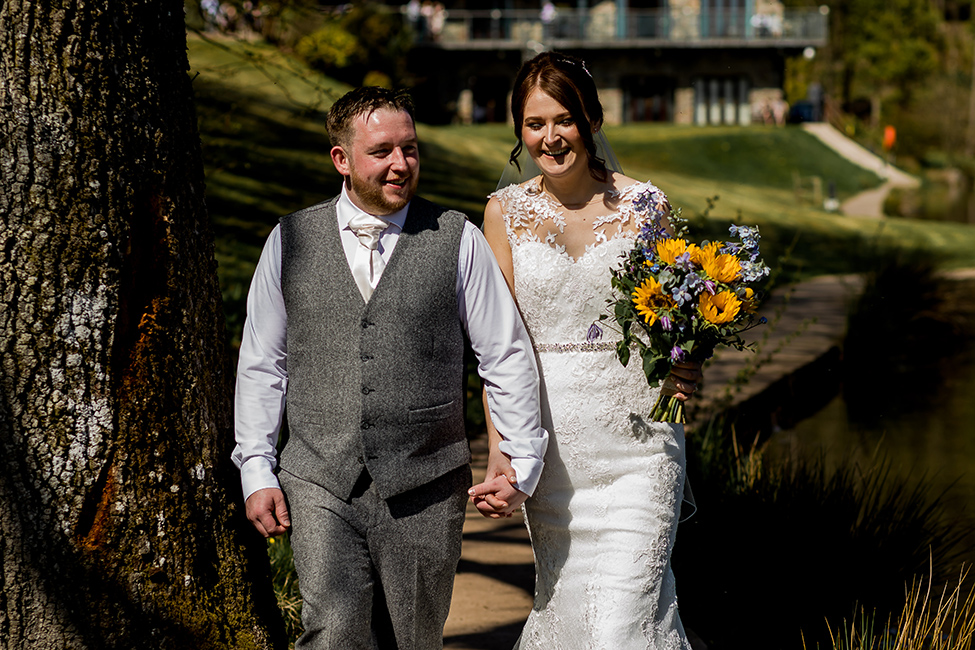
(487, 312)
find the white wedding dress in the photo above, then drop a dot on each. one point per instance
(604, 516)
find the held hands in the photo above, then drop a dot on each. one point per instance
(267, 510)
(683, 380)
(496, 497)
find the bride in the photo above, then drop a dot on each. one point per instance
(604, 516)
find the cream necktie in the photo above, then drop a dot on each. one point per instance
(368, 264)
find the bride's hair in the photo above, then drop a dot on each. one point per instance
(566, 80)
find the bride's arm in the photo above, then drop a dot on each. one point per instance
(499, 465)
(686, 375)
(499, 474)
(496, 235)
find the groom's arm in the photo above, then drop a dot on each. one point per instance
(262, 380)
(506, 361)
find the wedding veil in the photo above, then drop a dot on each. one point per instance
(512, 175)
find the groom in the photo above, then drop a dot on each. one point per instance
(356, 319)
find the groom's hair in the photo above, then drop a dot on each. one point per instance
(565, 79)
(362, 101)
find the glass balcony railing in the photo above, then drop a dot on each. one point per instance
(595, 27)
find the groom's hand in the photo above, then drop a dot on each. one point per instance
(266, 509)
(497, 498)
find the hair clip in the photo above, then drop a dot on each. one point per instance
(578, 62)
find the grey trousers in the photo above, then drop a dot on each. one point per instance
(376, 574)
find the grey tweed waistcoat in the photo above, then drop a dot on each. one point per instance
(378, 384)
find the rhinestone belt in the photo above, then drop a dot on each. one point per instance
(602, 346)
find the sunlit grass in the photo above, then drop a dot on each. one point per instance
(930, 620)
(285, 582)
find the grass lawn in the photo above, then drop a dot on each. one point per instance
(262, 114)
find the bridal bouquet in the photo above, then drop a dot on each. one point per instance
(678, 300)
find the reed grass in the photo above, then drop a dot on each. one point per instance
(928, 621)
(798, 543)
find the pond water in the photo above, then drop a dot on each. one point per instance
(946, 195)
(921, 420)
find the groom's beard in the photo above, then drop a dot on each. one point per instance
(371, 193)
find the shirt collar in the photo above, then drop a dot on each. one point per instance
(346, 209)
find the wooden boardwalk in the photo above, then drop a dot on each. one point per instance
(806, 322)
(495, 579)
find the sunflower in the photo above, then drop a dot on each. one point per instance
(719, 308)
(723, 268)
(670, 249)
(650, 297)
(702, 255)
(748, 301)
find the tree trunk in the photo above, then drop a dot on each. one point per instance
(120, 524)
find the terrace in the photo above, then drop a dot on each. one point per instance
(610, 25)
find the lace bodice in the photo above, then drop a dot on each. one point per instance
(561, 296)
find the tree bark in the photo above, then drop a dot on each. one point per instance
(120, 523)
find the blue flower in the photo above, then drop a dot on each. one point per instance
(681, 296)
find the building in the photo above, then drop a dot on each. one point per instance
(682, 61)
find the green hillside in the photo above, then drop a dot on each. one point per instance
(266, 151)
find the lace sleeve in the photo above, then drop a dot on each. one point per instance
(641, 203)
(521, 212)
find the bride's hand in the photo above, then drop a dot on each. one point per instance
(684, 380)
(491, 498)
(497, 498)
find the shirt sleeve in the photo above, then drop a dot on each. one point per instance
(262, 376)
(506, 361)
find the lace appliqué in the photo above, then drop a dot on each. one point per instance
(533, 216)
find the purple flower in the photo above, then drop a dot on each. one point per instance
(594, 334)
(709, 285)
(665, 323)
(677, 355)
(681, 296)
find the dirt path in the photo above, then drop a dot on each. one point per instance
(869, 203)
(495, 580)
